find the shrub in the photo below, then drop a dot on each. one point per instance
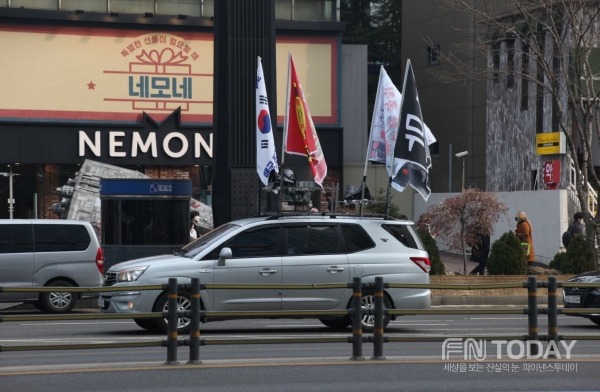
(507, 257)
(580, 257)
(379, 205)
(559, 260)
(437, 267)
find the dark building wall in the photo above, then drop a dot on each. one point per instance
(454, 111)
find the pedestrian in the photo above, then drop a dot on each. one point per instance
(479, 254)
(578, 225)
(524, 233)
(194, 219)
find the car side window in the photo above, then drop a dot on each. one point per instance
(405, 235)
(356, 238)
(312, 240)
(250, 243)
(16, 239)
(61, 238)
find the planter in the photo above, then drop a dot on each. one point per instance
(515, 296)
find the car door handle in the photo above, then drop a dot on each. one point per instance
(335, 269)
(266, 271)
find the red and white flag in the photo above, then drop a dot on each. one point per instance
(301, 136)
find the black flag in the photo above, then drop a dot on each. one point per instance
(411, 152)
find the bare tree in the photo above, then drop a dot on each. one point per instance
(462, 219)
(556, 40)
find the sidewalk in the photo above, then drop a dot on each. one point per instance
(455, 262)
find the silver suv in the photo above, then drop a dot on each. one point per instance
(49, 252)
(280, 250)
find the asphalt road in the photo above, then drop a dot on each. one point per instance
(291, 367)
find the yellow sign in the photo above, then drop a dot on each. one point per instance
(59, 73)
(550, 143)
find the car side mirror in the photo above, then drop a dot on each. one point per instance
(224, 255)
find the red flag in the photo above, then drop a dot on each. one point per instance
(301, 137)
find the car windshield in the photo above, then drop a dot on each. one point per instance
(198, 245)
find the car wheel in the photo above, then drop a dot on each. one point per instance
(336, 324)
(368, 302)
(147, 324)
(58, 301)
(595, 320)
(162, 305)
(37, 305)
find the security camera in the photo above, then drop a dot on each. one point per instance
(461, 154)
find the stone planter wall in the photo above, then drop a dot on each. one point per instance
(489, 296)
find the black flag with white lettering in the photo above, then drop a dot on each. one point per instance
(411, 152)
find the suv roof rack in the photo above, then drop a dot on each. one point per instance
(331, 215)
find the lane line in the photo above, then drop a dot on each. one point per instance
(110, 322)
(282, 364)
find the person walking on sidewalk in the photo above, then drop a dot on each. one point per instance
(479, 253)
(524, 233)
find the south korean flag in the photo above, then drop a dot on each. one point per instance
(266, 157)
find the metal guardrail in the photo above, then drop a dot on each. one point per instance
(172, 342)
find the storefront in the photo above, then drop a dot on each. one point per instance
(132, 92)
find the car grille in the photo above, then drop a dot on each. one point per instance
(110, 279)
(582, 293)
(576, 291)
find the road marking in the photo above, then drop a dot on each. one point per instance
(110, 322)
(414, 324)
(295, 325)
(279, 363)
(497, 318)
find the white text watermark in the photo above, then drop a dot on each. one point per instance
(472, 349)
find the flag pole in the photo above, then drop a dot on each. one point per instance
(285, 131)
(259, 206)
(387, 199)
(364, 179)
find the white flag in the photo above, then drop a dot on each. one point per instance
(384, 126)
(266, 157)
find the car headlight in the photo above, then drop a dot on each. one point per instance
(131, 274)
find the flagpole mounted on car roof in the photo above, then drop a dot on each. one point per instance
(378, 98)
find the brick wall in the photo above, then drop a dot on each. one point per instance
(46, 185)
(177, 172)
(173, 172)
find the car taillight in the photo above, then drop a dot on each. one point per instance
(100, 261)
(423, 263)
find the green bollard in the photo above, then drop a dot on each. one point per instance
(357, 321)
(173, 320)
(552, 310)
(195, 323)
(378, 324)
(532, 314)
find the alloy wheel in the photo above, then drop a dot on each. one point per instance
(183, 304)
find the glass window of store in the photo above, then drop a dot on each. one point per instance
(148, 222)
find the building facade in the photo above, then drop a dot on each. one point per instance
(129, 83)
(453, 108)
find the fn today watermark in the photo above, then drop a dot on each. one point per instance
(456, 349)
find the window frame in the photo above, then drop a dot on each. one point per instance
(433, 54)
(347, 251)
(338, 233)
